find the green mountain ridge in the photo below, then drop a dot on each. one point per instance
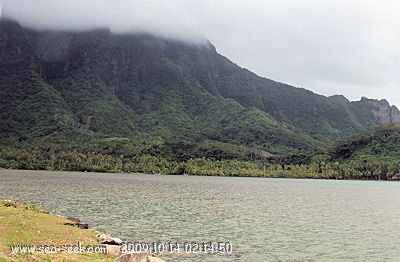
(137, 86)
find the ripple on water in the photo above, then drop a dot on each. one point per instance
(264, 219)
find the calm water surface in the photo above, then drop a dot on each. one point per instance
(263, 219)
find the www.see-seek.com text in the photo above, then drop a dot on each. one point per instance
(64, 249)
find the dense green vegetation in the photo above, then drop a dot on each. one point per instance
(96, 101)
(380, 141)
(354, 158)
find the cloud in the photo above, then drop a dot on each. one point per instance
(331, 47)
(167, 18)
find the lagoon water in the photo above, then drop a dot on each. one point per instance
(263, 219)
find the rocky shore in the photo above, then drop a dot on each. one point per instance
(19, 219)
(114, 245)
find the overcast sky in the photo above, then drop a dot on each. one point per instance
(347, 47)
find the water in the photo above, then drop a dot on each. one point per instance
(263, 219)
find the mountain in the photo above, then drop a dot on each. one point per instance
(60, 85)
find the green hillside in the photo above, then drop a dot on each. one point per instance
(127, 99)
(380, 142)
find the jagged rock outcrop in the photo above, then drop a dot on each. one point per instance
(395, 114)
(382, 111)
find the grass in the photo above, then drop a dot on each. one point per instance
(25, 225)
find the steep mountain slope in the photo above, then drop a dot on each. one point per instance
(298, 108)
(27, 103)
(138, 85)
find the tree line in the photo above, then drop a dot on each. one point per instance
(364, 168)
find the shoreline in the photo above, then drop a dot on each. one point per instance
(33, 234)
(204, 175)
